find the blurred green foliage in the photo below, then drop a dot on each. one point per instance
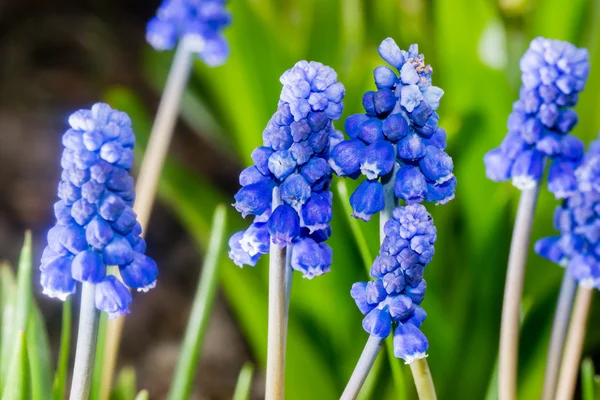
(474, 48)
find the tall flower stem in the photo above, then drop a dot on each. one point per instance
(574, 344)
(363, 367)
(558, 335)
(89, 319)
(278, 302)
(513, 291)
(147, 182)
(423, 381)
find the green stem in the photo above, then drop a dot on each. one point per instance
(513, 291)
(423, 380)
(89, 319)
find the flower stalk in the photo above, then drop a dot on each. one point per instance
(363, 367)
(513, 291)
(423, 380)
(278, 317)
(89, 319)
(574, 344)
(559, 334)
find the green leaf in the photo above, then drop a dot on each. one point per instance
(142, 395)
(185, 371)
(125, 386)
(243, 387)
(38, 348)
(25, 297)
(17, 379)
(587, 379)
(8, 293)
(60, 379)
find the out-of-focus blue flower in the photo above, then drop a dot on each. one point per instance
(394, 297)
(95, 225)
(399, 128)
(294, 161)
(553, 74)
(578, 221)
(198, 21)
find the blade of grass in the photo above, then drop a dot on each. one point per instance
(38, 348)
(243, 386)
(18, 372)
(587, 379)
(125, 386)
(8, 293)
(185, 370)
(60, 379)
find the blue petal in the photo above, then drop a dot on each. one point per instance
(409, 343)
(284, 225)
(367, 199)
(141, 273)
(87, 266)
(112, 297)
(378, 323)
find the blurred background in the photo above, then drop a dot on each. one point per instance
(64, 55)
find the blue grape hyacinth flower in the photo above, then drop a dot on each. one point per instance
(578, 221)
(394, 296)
(96, 227)
(293, 161)
(553, 74)
(198, 20)
(399, 129)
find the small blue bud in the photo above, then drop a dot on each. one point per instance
(371, 131)
(417, 293)
(251, 175)
(359, 294)
(571, 147)
(254, 199)
(111, 206)
(301, 129)
(239, 256)
(261, 156)
(118, 252)
(441, 194)
(436, 165)
(368, 102)
(311, 258)
(87, 266)
(419, 315)
(379, 159)
(126, 221)
(394, 282)
(295, 191)
(385, 78)
(567, 121)
(410, 97)
(409, 343)
(410, 184)
(302, 152)
(549, 248)
(141, 273)
(382, 265)
(391, 53)
(378, 323)
(421, 113)
(315, 170)
(395, 127)
(346, 157)
(367, 199)
(98, 233)
(282, 164)
(72, 238)
(255, 239)
(56, 278)
(561, 179)
(401, 307)
(432, 96)
(316, 213)
(112, 297)
(527, 169)
(375, 292)
(384, 101)
(353, 123)
(83, 211)
(411, 147)
(283, 225)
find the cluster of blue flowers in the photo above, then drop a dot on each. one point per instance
(198, 20)
(399, 288)
(292, 162)
(400, 127)
(578, 220)
(95, 224)
(553, 74)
